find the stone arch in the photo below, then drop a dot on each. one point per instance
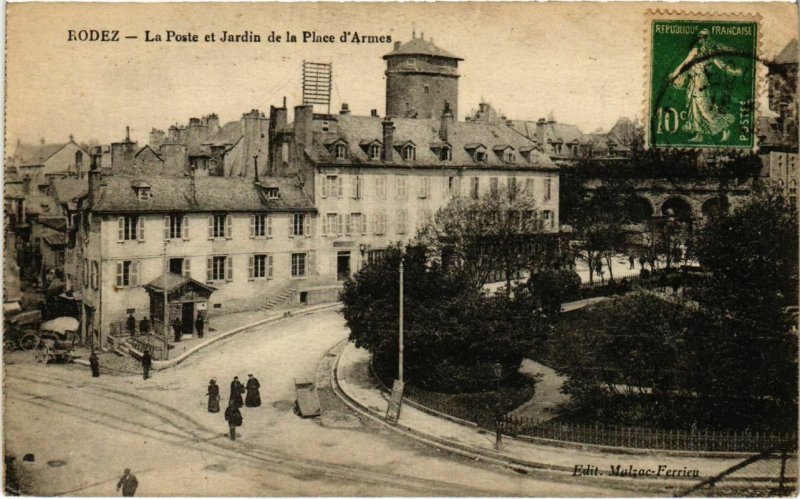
(642, 209)
(713, 204)
(677, 207)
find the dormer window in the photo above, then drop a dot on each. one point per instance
(143, 193)
(340, 151)
(409, 152)
(445, 154)
(375, 151)
(481, 156)
(271, 192)
(508, 156)
(478, 152)
(505, 153)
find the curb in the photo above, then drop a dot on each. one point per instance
(524, 466)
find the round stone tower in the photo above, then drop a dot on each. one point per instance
(420, 78)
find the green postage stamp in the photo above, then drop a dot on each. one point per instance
(701, 81)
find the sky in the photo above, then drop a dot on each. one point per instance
(582, 62)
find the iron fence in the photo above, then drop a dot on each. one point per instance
(141, 344)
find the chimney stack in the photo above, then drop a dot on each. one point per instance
(374, 113)
(388, 139)
(127, 134)
(345, 108)
(396, 45)
(447, 122)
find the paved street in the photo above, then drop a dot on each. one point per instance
(85, 431)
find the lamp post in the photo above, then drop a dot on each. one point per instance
(498, 370)
(400, 360)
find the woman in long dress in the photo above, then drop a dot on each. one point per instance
(213, 396)
(236, 392)
(253, 398)
(703, 116)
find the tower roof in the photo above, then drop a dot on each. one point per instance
(420, 46)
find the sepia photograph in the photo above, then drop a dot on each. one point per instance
(469, 249)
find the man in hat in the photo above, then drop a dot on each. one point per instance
(236, 392)
(144, 326)
(234, 418)
(127, 483)
(253, 398)
(147, 362)
(176, 328)
(94, 363)
(199, 323)
(130, 324)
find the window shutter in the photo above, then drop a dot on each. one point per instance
(307, 225)
(229, 265)
(209, 269)
(347, 227)
(269, 225)
(185, 227)
(364, 223)
(187, 267)
(252, 226)
(119, 274)
(134, 273)
(228, 226)
(140, 228)
(291, 225)
(251, 263)
(339, 224)
(269, 266)
(166, 227)
(324, 186)
(354, 186)
(340, 186)
(211, 227)
(121, 233)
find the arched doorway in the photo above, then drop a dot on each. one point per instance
(677, 208)
(641, 209)
(714, 205)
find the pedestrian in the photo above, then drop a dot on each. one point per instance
(631, 262)
(176, 328)
(253, 398)
(94, 363)
(237, 389)
(213, 396)
(131, 324)
(198, 324)
(234, 418)
(598, 269)
(147, 362)
(641, 262)
(144, 326)
(127, 483)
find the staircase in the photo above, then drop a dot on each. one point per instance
(279, 298)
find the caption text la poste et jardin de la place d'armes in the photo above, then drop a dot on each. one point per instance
(224, 36)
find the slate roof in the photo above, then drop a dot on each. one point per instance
(420, 46)
(68, 189)
(788, 55)
(229, 133)
(35, 154)
(424, 133)
(57, 223)
(232, 194)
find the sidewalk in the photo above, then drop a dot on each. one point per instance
(354, 379)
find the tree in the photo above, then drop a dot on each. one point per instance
(501, 231)
(550, 288)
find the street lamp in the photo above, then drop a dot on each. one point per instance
(498, 371)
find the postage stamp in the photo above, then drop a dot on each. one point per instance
(702, 82)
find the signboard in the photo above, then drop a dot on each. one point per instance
(317, 78)
(393, 411)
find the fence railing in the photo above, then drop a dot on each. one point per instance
(141, 344)
(648, 438)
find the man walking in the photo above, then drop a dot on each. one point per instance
(176, 328)
(144, 326)
(234, 418)
(236, 392)
(127, 483)
(198, 324)
(147, 361)
(253, 398)
(94, 363)
(130, 324)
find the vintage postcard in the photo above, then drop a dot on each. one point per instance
(400, 249)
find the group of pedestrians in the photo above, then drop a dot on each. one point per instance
(199, 326)
(232, 414)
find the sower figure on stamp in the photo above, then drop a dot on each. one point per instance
(253, 398)
(94, 363)
(213, 396)
(236, 392)
(234, 418)
(127, 483)
(147, 362)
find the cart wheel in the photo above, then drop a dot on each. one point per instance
(29, 341)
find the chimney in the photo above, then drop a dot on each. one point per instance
(541, 132)
(127, 134)
(396, 45)
(192, 186)
(447, 122)
(278, 118)
(303, 117)
(94, 175)
(374, 113)
(255, 166)
(388, 139)
(42, 140)
(345, 108)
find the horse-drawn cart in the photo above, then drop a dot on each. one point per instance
(21, 331)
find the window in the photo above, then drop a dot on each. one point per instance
(220, 225)
(375, 255)
(332, 186)
(298, 264)
(127, 274)
(143, 193)
(474, 188)
(401, 181)
(380, 223)
(558, 148)
(529, 186)
(260, 225)
(272, 193)
(355, 186)
(445, 154)
(220, 268)
(548, 189)
(402, 221)
(380, 187)
(547, 215)
(340, 151)
(300, 225)
(358, 223)
(78, 158)
(409, 152)
(423, 218)
(508, 156)
(176, 227)
(481, 156)
(512, 185)
(260, 266)
(374, 151)
(331, 224)
(493, 190)
(131, 228)
(424, 187)
(454, 186)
